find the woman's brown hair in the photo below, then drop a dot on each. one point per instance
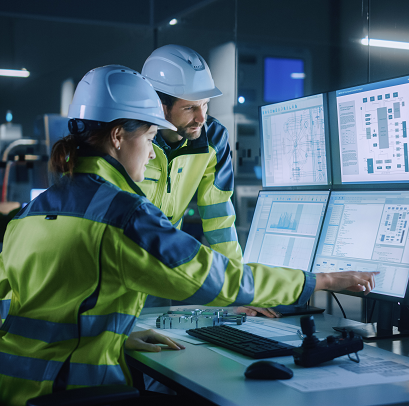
(65, 151)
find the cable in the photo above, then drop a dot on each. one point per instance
(357, 360)
(339, 304)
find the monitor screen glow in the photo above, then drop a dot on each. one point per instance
(367, 231)
(293, 143)
(285, 228)
(372, 132)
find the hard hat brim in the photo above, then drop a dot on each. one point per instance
(207, 94)
(107, 115)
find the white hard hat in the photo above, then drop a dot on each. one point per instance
(180, 72)
(113, 92)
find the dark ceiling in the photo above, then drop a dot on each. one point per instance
(152, 13)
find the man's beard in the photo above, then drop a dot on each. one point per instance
(183, 131)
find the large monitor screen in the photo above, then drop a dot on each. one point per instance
(293, 143)
(283, 79)
(372, 132)
(285, 228)
(367, 231)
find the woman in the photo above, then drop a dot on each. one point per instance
(80, 259)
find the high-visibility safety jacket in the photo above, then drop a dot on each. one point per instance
(203, 165)
(80, 260)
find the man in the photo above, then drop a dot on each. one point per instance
(196, 157)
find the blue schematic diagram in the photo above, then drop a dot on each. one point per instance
(298, 139)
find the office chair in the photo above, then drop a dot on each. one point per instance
(106, 395)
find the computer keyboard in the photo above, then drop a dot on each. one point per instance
(242, 342)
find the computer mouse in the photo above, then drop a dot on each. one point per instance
(268, 370)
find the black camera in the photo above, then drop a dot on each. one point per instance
(314, 352)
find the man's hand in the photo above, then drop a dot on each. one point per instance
(146, 341)
(350, 280)
(252, 311)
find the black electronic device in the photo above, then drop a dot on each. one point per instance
(242, 342)
(268, 370)
(293, 310)
(314, 351)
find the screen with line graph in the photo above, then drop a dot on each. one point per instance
(294, 142)
(285, 228)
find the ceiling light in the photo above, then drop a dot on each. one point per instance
(297, 75)
(384, 44)
(23, 73)
(173, 21)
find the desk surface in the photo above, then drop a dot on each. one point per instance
(221, 380)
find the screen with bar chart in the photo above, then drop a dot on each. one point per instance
(285, 228)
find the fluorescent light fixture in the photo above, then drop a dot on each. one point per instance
(173, 21)
(384, 44)
(297, 75)
(23, 73)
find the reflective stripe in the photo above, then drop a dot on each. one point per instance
(51, 332)
(118, 323)
(28, 368)
(36, 369)
(100, 202)
(216, 210)
(222, 235)
(213, 284)
(160, 238)
(47, 331)
(4, 308)
(246, 292)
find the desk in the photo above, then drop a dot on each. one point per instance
(221, 380)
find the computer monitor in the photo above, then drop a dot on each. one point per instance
(294, 143)
(369, 134)
(368, 231)
(284, 232)
(283, 78)
(285, 228)
(50, 128)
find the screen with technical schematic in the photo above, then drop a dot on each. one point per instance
(367, 231)
(373, 122)
(294, 138)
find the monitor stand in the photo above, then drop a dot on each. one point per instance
(384, 327)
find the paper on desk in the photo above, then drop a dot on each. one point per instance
(265, 327)
(376, 367)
